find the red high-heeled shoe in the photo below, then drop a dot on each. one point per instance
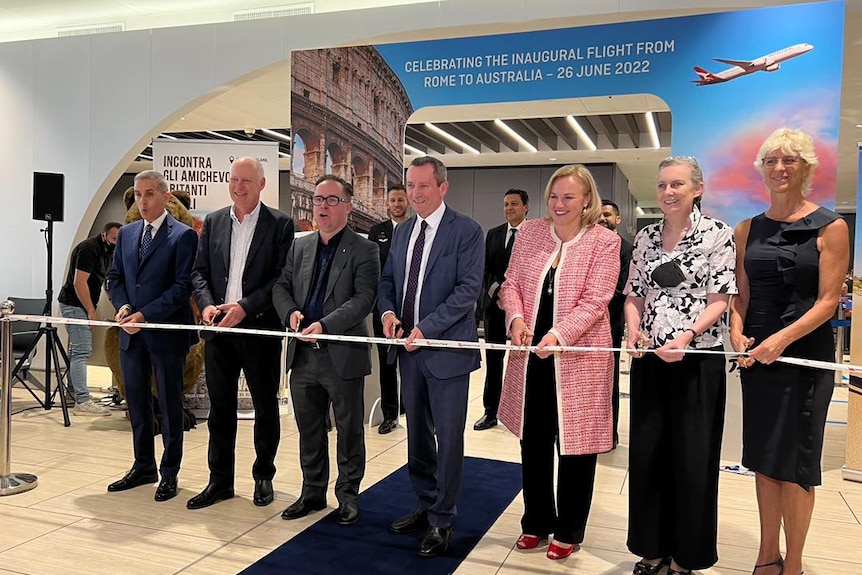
(556, 552)
(530, 541)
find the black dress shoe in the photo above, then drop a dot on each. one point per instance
(302, 507)
(348, 513)
(167, 489)
(387, 426)
(133, 478)
(435, 542)
(211, 494)
(484, 423)
(415, 521)
(263, 494)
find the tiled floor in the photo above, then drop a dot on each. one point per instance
(70, 525)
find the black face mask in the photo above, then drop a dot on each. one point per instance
(668, 275)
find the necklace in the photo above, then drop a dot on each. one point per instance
(673, 229)
(552, 274)
(790, 215)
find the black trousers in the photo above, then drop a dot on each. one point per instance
(313, 384)
(677, 420)
(567, 518)
(260, 360)
(617, 337)
(388, 374)
(495, 332)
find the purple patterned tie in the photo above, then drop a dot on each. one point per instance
(409, 307)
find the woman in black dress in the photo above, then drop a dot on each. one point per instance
(791, 264)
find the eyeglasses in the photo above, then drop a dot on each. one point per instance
(770, 162)
(330, 200)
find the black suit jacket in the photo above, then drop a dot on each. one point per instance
(267, 253)
(381, 234)
(496, 262)
(615, 308)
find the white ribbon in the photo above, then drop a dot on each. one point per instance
(437, 343)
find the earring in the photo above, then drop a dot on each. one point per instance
(585, 208)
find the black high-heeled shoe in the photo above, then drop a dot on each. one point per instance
(779, 563)
(644, 568)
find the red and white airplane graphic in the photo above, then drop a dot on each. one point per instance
(769, 63)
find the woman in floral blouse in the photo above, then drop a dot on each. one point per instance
(680, 282)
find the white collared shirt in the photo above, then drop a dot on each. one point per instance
(430, 233)
(241, 234)
(156, 223)
(509, 231)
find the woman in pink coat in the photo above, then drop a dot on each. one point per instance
(560, 279)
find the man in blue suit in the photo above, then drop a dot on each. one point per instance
(428, 290)
(150, 281)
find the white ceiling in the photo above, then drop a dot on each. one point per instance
(262, 101)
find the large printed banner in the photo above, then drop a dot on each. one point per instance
(202, 168)
(728, 79)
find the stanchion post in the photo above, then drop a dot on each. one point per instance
(10, 483)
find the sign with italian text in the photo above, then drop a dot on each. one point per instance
(202, 169)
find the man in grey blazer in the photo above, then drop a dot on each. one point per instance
(327, 286)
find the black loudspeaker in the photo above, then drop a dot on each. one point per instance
(48, 196)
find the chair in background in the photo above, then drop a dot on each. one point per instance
(24, 338)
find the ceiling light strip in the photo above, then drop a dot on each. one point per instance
(505, 127)
(411, 150)
(277, 135)
(223, 136)
(168, 136)
(653, 134)
(582, 135)
(464, 146)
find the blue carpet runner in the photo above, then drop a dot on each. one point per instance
(368, 548)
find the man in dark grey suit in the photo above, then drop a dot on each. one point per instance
(327, 287)
(429, 289)
(381, 234)
(240, 255)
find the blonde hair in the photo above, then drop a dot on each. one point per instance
(593, 212)
(791, 142)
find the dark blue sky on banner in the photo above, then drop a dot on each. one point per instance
(721, 124)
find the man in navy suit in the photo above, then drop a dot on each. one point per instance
(428, 290)
(381, 234)
(498, 249)
(150, 281)
(240, 255)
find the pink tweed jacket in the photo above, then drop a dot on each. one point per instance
(585, 281)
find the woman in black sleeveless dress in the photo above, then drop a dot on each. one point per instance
(791, 264)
